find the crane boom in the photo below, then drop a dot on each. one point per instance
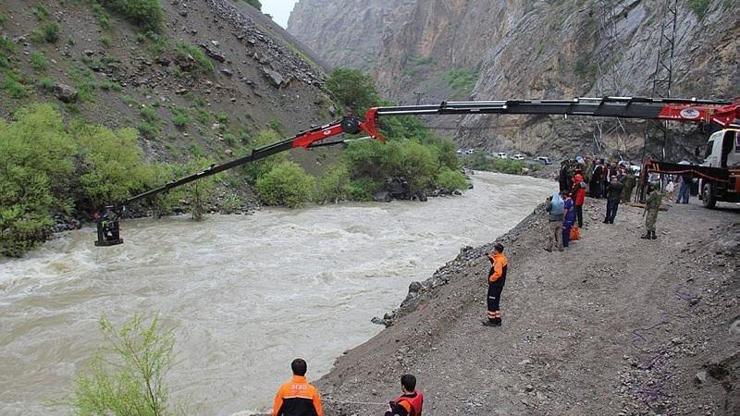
(724, 113)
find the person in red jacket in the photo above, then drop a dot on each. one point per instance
(496, 282)
(296, 397)
(410, 402)
(579, 195)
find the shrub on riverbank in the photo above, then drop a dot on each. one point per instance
(286, 184)
(50, 168)
(126, 376)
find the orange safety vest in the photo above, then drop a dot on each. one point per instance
(415, 401)
(297, 398)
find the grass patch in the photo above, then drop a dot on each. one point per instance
(48, 32)
(39, 62)
(187, 51)
(180, 117)
(147, 14)
(149, 126)
(106, 41)
(84, 82)
(13, 85)
(40, 13)
(46, 84)
(109, 85)
(7, 49)
(101, 15)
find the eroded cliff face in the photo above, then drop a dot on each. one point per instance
(347, 33)
(543, 49)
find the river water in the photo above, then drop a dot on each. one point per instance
(243, 294)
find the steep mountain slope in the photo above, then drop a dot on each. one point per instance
(544, 49)
(215, 74)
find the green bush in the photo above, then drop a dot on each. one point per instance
(49, 168)
(180, 117)
(353, 89)
(146, 14)
(48, 32)
(13, 85)
(150, 124)
(39, 62)
(286, 184)
(450, 181)
(334, 185)
(231, 204)
(7, 49)
(113, 164)
(363, 189)
(40, 12)
(85, 83)
(256, 169)
(126, 376)
(203, 64)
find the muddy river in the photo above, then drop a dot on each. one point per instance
(243, 294)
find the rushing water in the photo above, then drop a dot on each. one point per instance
(244, 294)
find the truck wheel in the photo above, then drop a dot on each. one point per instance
(707, 196)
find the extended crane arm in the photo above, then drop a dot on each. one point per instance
(683, 110)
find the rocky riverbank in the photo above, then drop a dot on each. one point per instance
(614, 325)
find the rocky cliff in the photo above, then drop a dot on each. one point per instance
(213, 75)
(539, 49)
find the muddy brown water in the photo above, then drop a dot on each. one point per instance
(244, 294)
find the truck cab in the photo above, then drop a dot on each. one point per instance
(723, 154)
(723, 149)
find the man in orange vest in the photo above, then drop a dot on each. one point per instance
(410, 403)
(496, 281)
(296, 397)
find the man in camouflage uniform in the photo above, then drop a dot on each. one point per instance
(652, 205)
(629, 181)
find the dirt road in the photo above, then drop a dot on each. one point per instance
(615, 325)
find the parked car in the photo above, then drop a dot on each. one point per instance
(502, 155)
(518, 156)
(544, 160)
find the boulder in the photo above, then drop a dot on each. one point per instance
(274, 77)
(65, 93)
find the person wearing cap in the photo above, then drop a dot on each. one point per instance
(297, 397)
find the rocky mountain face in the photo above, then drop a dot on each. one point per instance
(467, 49)
(347, 33)
(214, 75)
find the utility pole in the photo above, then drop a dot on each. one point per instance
(662, 78)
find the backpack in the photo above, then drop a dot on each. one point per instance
(557, 206)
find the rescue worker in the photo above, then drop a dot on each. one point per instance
(297, 397)
(629, 181)
(410, 402)
(613, 196)
(652, 206)
(496, 281)
(684, 190)
(579, 196)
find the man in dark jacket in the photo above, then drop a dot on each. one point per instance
(613, 196)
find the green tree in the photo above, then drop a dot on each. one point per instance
(254, 3)
(353, 89)
(286, 184)
(450, 181)
(36, 168)
(113, 164)
(334, 185)
(126, 376)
